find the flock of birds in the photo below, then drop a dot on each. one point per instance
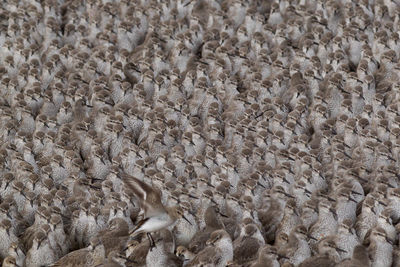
(200, 133)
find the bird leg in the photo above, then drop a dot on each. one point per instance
(151, 240)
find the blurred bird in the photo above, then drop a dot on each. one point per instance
(155, 215)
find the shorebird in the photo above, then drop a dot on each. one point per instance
(155, 215)
(218, 252)
(91, 255)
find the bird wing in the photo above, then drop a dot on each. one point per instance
(74, 258)
(209, 252)
(247, 250)
(149, 197)
(318, 261)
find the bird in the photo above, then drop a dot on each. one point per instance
(155, 215)
(212, 220)
(326, 223)
(8, 236)
(218, 252)
(297, 248)
(115, 236)
(183, 230)
(184, 254)
(234, 115)
(92, 255)
(163, 254)
(248, 246)
(359, 257)
(346, 238)
(379, 244)
(41, 252)
(326, 257)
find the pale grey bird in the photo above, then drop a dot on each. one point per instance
(297, 248)
(346, 205)
(380, 247)
(346, 239)
(327, 254)
(8, 236)
(384, 221)
(290, 218)
(326, 223)
(184, 230)
(41, 252)
(367, 219)
(163, 253)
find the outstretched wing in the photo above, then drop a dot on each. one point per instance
(149, 197)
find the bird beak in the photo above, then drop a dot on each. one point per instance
(289, 196)
(331, 199)
(382, 203)
(352, 199)
(223, 215)
(210, 185)
(307, 191)
(192, 196)
(257, 183)
(191, 213)
(282, 256)
(312, 238)
(186, 219)
(334, 213)
(295, 212)
(290, 158)
(340, 250)
(131, 233)
(355, 193)
(127, 259)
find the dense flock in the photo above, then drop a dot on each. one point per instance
(272, 127)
